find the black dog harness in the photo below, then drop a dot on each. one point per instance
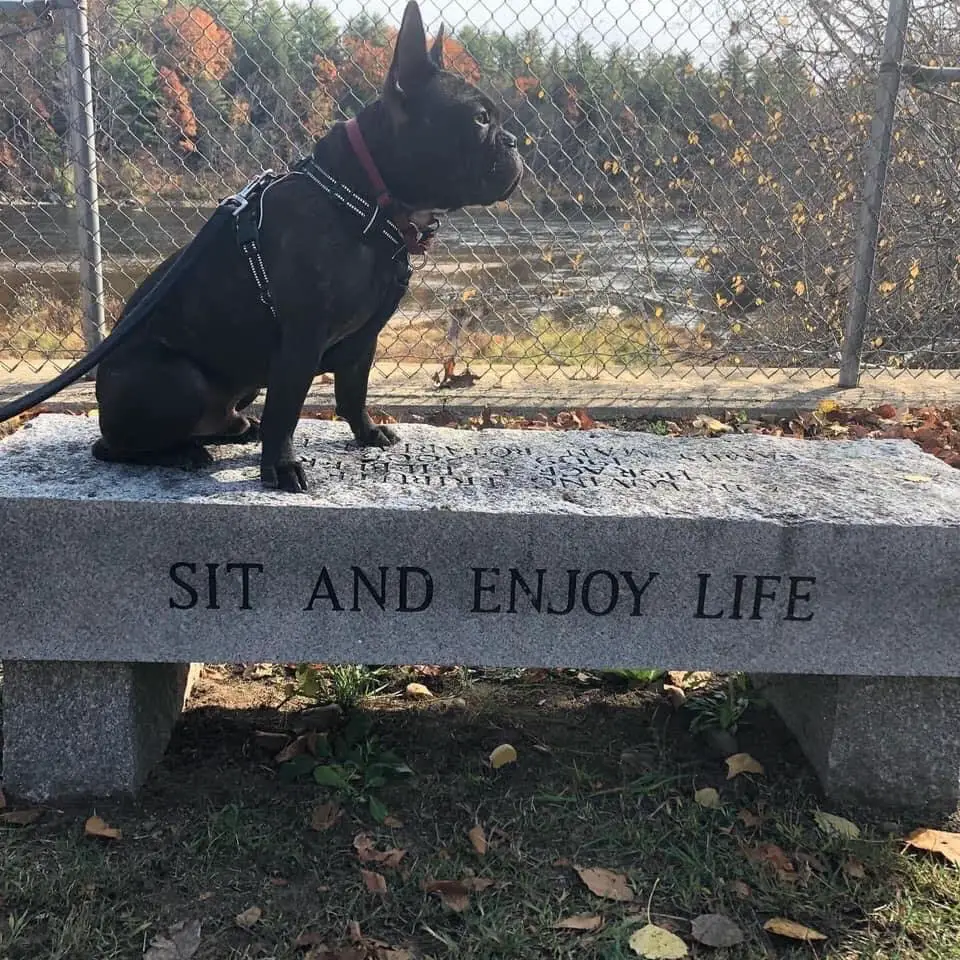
(376, 217)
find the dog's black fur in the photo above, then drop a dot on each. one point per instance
(181, 380)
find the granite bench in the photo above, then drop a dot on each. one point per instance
(827, 570)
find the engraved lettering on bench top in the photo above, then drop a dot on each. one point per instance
(472, 465)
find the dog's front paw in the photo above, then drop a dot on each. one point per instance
(375, 436)
(286, 475)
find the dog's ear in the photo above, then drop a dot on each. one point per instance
(436, 51)
(412, 66)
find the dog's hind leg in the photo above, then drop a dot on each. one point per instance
(230, 426)
(149, 411)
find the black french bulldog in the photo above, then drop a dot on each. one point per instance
(334, 237)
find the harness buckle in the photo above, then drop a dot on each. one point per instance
(241, 199)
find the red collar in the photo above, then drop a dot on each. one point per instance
(417, 240)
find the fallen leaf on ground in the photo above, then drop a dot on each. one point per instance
(580, 921)
(310, 938)
(740, 889)
(180, 942)
(795, 931)
(21, 818)
(305, 743)
(742, 763)
(95, 827)
(392, 821)
(248, 918)
(417, 691)
(917, 478)
(478, 839)
(452, 893)
(707, 797)
(936, 841)
(716, 930)
(504, 754)
(835, 826)
(605, 883)
(712, 425)
(773, 856)
(375, 882)
(852, 867)
(324, 816)
(366, 849)
(886, 410)
(749, 819)
(656, 943)
(675, 695)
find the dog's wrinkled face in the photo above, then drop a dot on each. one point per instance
(449, 148)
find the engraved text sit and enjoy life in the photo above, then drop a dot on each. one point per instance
(500, 591)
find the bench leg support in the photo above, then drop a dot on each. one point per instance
(891, 742)
(87, 729)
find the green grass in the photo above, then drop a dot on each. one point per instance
(216, 831)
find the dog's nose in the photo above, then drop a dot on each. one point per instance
(509, 139)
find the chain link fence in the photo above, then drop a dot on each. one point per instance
(694, 177)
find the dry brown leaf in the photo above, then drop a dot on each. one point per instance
(478, 839)
(417, 691)
(791, 929)
(324, 816)
(180, 942)
(774, 857)
(478, 884)
(740, 889)
(580, 921)
(375, 882)
(606, 883)
(95, 827)
(366, 849)
(453, 894)
(503, 755)
(248, 918)
(852, 867)
(393, 822)
(305, 743)
(657, 943)
(21, 818)
(749, 819)
(716, 930)
(707, 797)
(309, 938)
(936, 841)
(712, 425)
(675, 695)
(742, 763)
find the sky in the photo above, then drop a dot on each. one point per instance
(689, 25)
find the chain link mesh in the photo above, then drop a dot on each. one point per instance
(690, 203)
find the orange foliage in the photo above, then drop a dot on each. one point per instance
(195, 45)
(457, 60)
(366, 64)
(182, 117)
(526, 84)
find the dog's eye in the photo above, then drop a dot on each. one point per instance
(482, 118)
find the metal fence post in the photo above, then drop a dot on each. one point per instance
(83, 156)
(878, 155)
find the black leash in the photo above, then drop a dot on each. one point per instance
(131, 321)
(246, 209)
